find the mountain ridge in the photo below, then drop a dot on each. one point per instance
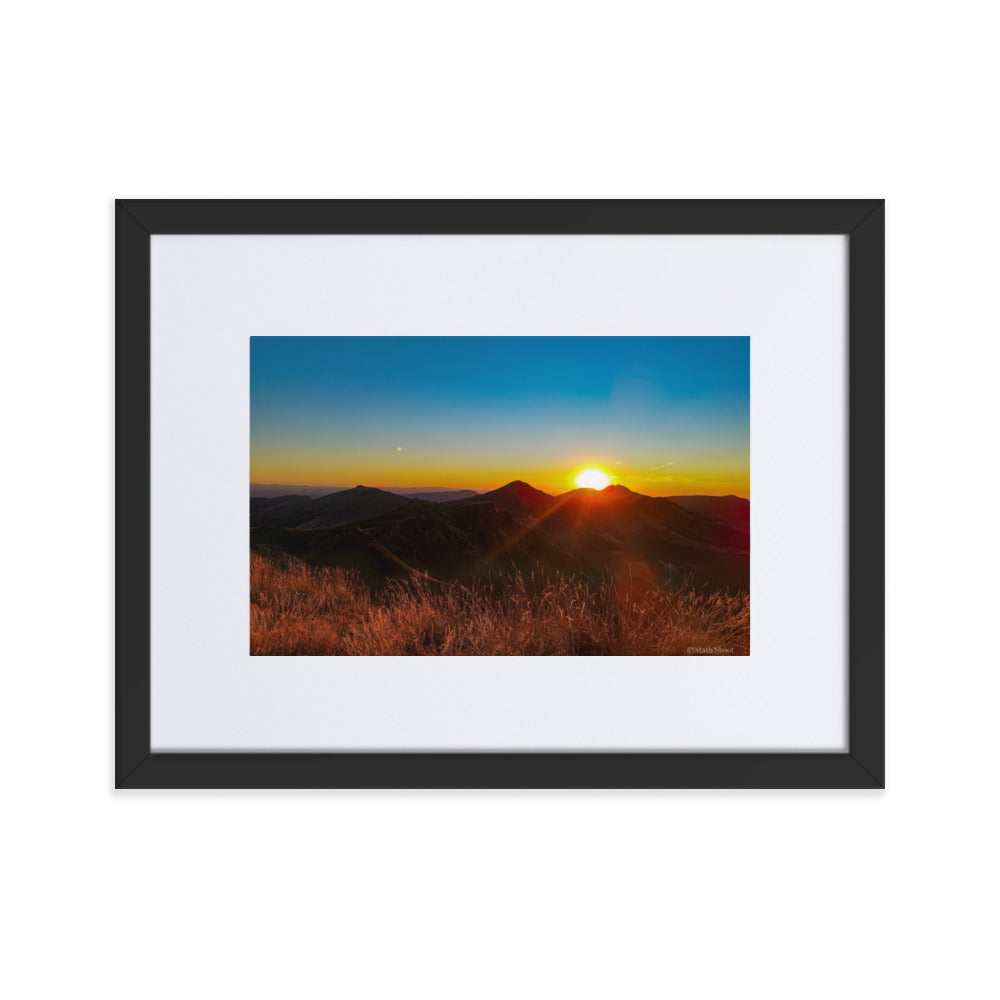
(515, 527)
(271, 490)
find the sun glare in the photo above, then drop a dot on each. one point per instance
(594, 479)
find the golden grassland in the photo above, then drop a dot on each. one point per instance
(299, 610)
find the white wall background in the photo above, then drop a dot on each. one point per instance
(498, 895)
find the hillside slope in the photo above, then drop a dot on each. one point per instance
(646, 540)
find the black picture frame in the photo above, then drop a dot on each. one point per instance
(861, 766)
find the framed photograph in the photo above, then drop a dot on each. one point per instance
(483, 494)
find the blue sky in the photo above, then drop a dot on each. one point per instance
(660, 414)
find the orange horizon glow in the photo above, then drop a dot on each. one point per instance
(702, 481)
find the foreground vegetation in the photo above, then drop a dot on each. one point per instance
(299, 610)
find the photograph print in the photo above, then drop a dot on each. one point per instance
(499, 496)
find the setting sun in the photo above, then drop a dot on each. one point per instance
(594, 479)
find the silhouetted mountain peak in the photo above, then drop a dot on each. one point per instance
(613, 493)
(372, 490)
(516, 497)
(355, 493)
(520, 489)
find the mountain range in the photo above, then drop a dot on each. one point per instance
(434, 493)
(652, 540)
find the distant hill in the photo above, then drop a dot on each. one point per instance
(437, 494)
(730, 509)
(280, 490)
(358, 504)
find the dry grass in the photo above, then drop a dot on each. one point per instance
(297, 610)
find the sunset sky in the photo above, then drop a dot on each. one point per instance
(661, 415)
